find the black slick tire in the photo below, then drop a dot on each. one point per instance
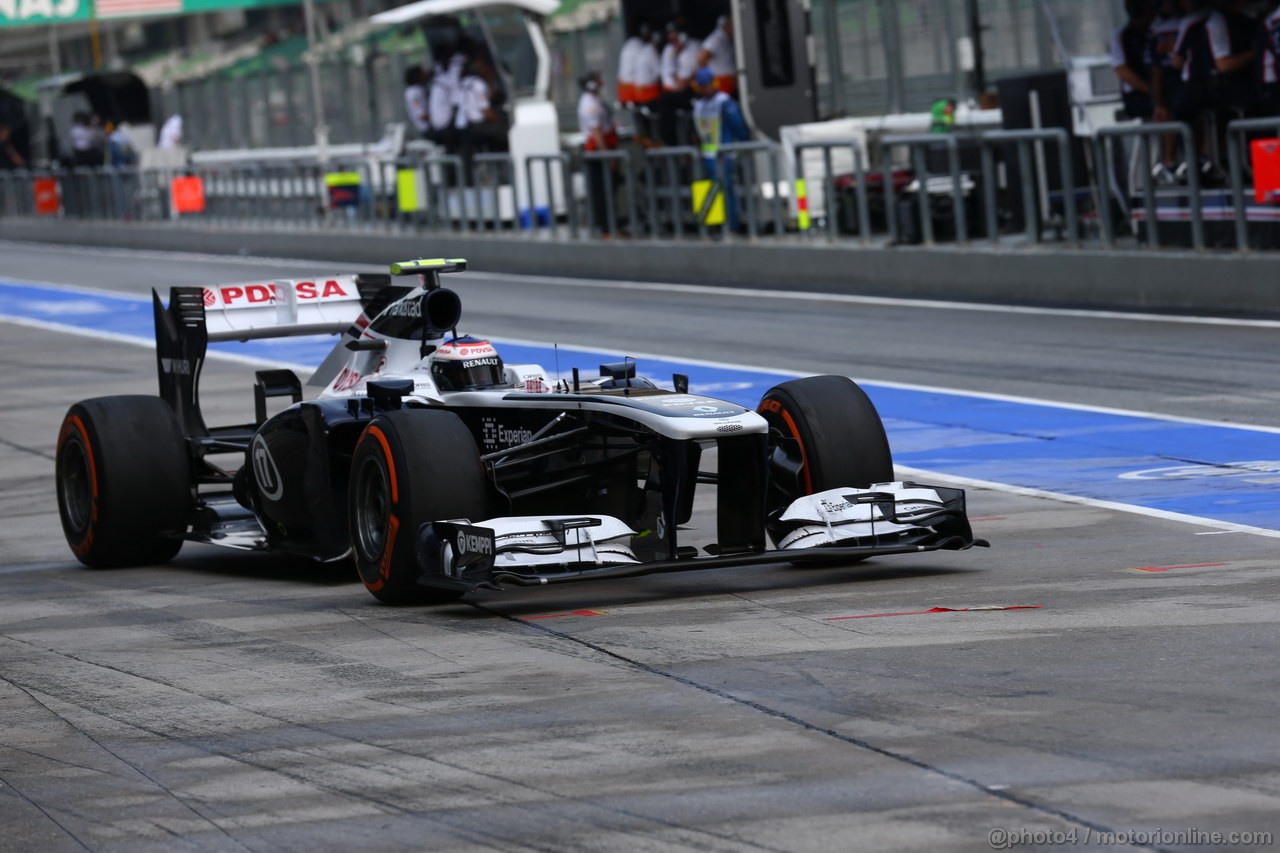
(410, 467)
(123, 476)
(828, 435)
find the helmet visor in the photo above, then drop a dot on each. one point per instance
(468, 374)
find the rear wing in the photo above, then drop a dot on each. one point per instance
(334, 305)
(253, 310)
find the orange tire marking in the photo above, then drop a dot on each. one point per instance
(87, 543)
(391, 465)
(393, 527)
(804, 456)
(88, 449)
(778, 409)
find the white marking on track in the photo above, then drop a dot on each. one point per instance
(881, 301)
(1024, 491)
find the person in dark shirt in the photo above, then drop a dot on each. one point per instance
(1196, 57)
(1234, 86)
(1166, 81)
(10, 156)
(1268, 64)
(1129, 59)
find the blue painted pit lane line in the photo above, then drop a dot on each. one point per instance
(1220, 475)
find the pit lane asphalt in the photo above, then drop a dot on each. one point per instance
(238, 702)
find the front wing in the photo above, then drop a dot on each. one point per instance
(830, 527)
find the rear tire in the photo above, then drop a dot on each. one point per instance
(828, 434)
(123, 474)
(410, 467)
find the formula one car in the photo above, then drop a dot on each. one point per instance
(442, 470)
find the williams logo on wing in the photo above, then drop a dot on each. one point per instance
(270, 484)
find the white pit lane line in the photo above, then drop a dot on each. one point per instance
(665, 287)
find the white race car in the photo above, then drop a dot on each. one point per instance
(440, 469)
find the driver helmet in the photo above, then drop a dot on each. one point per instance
(467, 364)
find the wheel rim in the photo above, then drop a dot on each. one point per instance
(75, 489)
(372, 509)
(786, 469)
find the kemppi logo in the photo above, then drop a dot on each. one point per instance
(470, 543)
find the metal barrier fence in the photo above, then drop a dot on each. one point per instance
(918, 145)
(668, 175)
(554, 202)
(599, 165)
(767, 192)
(743, 171)
(1034, 194)
(829, 186)
(1235, 142)
(1144, 133)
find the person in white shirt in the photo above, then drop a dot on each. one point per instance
(595, 117)
(669, 61)
(687, 62)
(84, 148)
(600, 133)
(627, 64)
(415, 99)
(480, 126)
(717, 54)
(648, 71)
(170, 132)
(444, 94)
(677, 57)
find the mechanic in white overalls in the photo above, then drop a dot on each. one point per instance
(627, 64)
(677, 96)
(648, 85)
(718, 120)
(600, 133)
(444, 95)
(717, 54)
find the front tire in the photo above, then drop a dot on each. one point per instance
(410, 467)
(124, 481)
(826, 434)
